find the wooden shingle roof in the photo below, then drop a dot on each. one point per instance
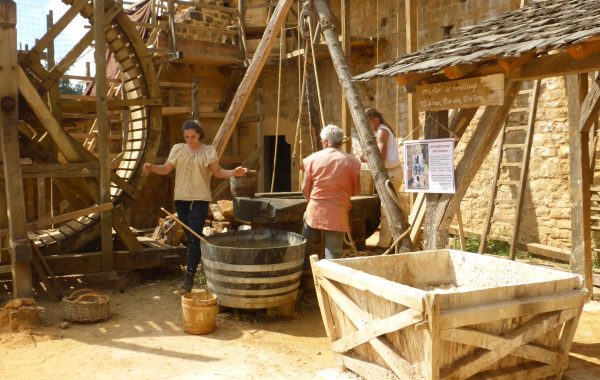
(513, 38)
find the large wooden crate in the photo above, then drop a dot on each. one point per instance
(448, 315)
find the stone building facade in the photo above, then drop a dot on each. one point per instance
(546, 215)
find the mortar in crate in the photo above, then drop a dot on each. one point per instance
(448, 314)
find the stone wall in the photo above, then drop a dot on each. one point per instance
(546, 214)
(546, 211)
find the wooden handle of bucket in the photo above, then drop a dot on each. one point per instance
(172, 216)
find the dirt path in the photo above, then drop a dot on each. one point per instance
(144, 340)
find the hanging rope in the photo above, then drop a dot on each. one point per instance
(281, 35)
(312, 49)
(298, 138)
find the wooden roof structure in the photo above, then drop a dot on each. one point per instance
(544, 39)
(548, 38)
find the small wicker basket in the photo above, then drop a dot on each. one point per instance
(86, 305)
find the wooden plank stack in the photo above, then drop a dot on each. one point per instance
(448, 314)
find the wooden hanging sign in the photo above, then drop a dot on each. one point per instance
(464, 93)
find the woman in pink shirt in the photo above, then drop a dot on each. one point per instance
(331, 177)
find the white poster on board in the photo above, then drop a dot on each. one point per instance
(429, 166)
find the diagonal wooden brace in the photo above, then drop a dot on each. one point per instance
(360, 318)
(515, 339)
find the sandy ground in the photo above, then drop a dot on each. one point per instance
(144, 339)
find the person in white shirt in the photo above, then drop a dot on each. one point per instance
(386, 141)
(194, 164)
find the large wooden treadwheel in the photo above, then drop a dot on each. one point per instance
(39, 119)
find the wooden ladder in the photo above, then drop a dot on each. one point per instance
(595, 191)
(512, 138)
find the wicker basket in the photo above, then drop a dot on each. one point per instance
(86, 305)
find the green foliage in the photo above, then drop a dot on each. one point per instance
(66, 87)
(495, 247)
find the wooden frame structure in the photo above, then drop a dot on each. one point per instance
(388, 318)
(468, 54)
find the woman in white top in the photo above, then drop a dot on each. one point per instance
(194, 163)
(386, 141)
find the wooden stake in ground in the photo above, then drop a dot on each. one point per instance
(367, 140)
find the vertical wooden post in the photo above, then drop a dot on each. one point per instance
(346, 48)
(20, 249)
(579, 180)
(195, 100)
(260, 139)
(103, 132)
(242, 15)
(312, 102)
(411, 20)
(436, 127)
(172, 38)
(366, 138)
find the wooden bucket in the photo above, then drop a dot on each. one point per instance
(244, 186)
(448, 315)
(199, 312)
(366, 182)
(256, 269)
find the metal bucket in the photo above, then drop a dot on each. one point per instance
(254, 269)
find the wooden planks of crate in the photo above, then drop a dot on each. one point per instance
(448, 314)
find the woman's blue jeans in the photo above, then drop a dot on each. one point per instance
(192, 213)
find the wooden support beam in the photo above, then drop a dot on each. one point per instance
(245, 89)
(580, 182)
(84, 103)
(544, 66)
(61, 138)
(555, 65)
(56, 170)
(195, 99)
(460, 120)
(260, 139)
(590, 107)
(122, 229)
(360, 319)
(412, 38)
(459, 71)
(475, 152)
(48, 38)
(91, 262)
(62, 218)
(434, 237)
(347, 50)
(103, 130)
(72, 55)
(516, 338)
(367, 140)
(20, 250)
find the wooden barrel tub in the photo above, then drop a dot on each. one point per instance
(254, 269)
